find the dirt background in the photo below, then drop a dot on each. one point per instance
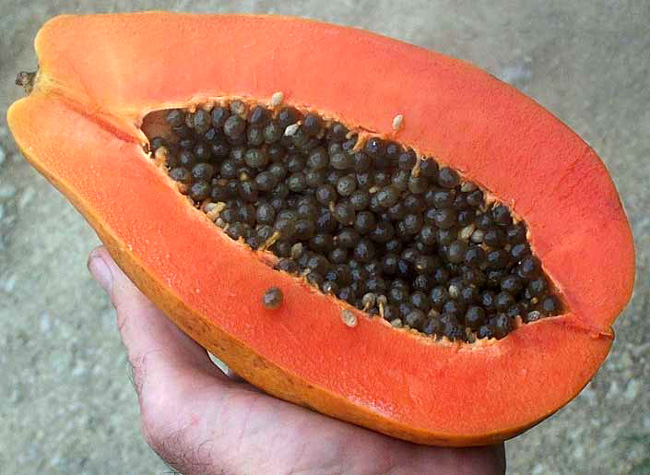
(67, 405)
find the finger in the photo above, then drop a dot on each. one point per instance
(158, 351)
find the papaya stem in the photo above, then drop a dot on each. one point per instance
(26, 80)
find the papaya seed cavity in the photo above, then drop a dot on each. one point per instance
(360, 217)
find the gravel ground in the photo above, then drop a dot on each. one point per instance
(67, 402)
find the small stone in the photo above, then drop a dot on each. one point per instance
(349, 318)
(26, 197)
(17, 395)
(625, 361)
(397, 323)
(614, 391)
(632, 390)
(45, 322)
(79, 370)
(640, 350)
(10, 283)
(539, 469)
(7, 191)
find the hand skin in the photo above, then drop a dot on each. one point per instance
(202, 421)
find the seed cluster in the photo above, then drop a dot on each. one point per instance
(367, 221)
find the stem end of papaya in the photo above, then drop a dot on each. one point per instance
(26, 80)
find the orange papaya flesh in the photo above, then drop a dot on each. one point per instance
(80, 127)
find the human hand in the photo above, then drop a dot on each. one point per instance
(200, 420)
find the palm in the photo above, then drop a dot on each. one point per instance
(201, 421)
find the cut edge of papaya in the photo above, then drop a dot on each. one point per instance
(456, 416)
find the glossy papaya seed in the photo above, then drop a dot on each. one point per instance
(272, 298)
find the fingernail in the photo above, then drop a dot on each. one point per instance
(100, 271)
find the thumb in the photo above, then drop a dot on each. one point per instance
(158, 351)
(100, 270)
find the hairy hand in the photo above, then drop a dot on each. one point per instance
(200, 420)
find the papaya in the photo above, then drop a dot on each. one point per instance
(378, 232)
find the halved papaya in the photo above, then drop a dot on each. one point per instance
(87, 126)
